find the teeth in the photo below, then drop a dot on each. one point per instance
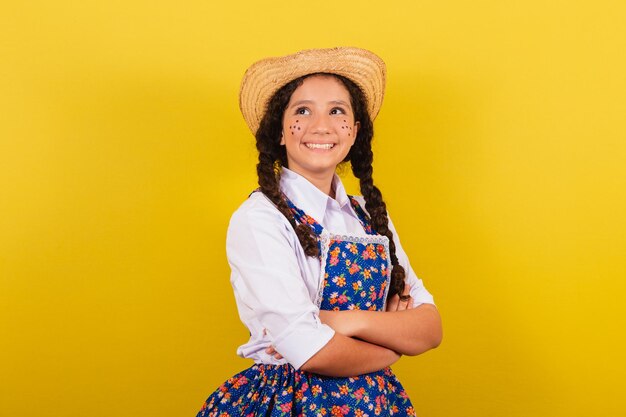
(320, 145)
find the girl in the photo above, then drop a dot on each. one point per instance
(320, 278)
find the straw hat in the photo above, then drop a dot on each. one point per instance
(266, 76)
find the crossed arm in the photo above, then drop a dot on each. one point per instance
(260, 248)
(366, 341)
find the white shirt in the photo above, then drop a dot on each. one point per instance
(275, 283)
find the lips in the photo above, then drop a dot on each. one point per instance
(326, 146)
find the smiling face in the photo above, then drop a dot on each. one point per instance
(318, 127)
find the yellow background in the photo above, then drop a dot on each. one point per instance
(501, 150)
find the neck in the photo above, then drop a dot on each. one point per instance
(324, 182)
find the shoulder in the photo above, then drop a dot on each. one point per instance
(257, 212)
(259, 234)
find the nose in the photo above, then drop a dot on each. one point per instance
(321, 124)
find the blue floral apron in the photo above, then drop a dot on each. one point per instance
(355, 274)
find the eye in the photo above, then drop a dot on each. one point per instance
(337, 110)
(303, 110)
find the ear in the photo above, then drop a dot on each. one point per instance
(357, 125)
(282, 138)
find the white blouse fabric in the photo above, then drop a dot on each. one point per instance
(275, 283)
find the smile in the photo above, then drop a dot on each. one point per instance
(319, 145)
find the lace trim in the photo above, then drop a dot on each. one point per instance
(324, 242)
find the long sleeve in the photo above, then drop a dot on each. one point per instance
(273, 297)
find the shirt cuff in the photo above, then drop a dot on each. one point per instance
(302, 339)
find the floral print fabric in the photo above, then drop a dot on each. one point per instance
(356, 276)
(279, 390)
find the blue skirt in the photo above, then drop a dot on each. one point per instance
(280, 390)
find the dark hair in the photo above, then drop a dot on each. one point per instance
(272, 155)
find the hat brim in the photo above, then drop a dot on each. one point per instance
(265, 77)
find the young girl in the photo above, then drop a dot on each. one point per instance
(320, 278)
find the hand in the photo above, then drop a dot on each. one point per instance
(272, 351)
(397, 303)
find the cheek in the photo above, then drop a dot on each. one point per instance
(345, 128)
(293, 127)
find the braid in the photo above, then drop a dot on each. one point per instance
(361, 158)
(377, 209)
(272, 156)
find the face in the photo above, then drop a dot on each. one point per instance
(318, 127)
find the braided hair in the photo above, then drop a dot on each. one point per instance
(272, 156)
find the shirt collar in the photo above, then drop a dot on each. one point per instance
(308, 197)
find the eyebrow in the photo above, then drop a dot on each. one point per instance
(339, 102)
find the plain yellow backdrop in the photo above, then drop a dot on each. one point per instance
(500, 148)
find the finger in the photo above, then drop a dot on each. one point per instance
(392, 305)
(408, 305)
(404, 299)
(271, 351)
(404, 304)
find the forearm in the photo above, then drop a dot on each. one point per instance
(408, 332)
(344, 356)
